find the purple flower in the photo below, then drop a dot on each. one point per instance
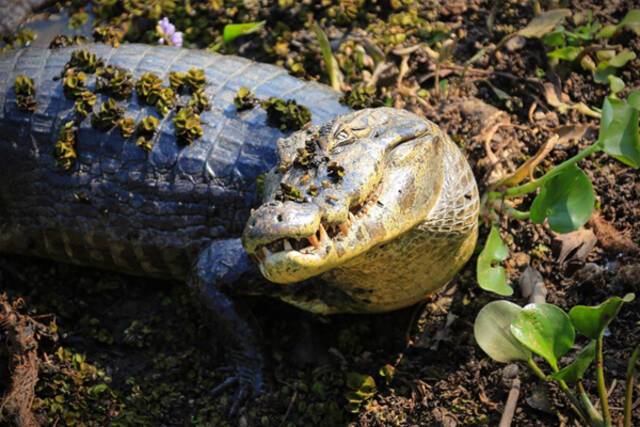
(168, 34)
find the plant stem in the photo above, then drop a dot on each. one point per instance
(523, 189)
(628, 403)
(575, 404)
(602, 388)
(591, 411)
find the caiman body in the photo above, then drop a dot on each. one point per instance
(381, 212)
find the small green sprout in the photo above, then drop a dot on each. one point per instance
(65, 147)
(109, 115)
(244, 99)
(233, 31)
(509, 333)
(25, 93)
(188, 125)
(361, 96)
(286, 115)
(360, 388)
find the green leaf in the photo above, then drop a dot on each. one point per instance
(616, 84)
(634, 99)
(566, 201)
(554, 38)
(544, 23)
(493, 278)
(492, 333)
(632, 21)
(574, 372)
(621, 59)
(333, 69)
(619, 130)
(545, 330)
(592, 321)
(607, 31)
(233, 31)
(568, 53)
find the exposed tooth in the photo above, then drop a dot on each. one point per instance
(314, 241)
(265, 252)
(352, 217)
(287, 245)
(344, 227)
(323, 233)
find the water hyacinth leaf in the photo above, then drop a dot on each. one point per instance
(545, 330)
(566, 201)
(492, 277)
(574, 372)
(492, 332)
(233, 31)
(592, 321)
(544, 23)
(619, 130)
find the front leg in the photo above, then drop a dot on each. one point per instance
(219, 267)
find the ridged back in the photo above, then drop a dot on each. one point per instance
(117, 193)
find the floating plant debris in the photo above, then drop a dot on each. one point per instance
(286, 115)
(244, 99)
(65, 147)
(115, 81)
(188, 126)
(108, 116)
(146, 130)
(25, 93)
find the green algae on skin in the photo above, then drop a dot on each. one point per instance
(108, 116)
(25, 92)
(65, 147)
(286, 115)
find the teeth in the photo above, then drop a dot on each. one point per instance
(314, 241)
(287, 245)
(265, 252)
(344, 227)
(352, 217)
(323, 233)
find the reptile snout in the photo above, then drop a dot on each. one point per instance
(277, 221)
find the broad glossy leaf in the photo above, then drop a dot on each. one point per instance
(544, 23)
(493, 334)
(619, 131)
(634, 99)
(592, 321)
(566, 201)
(233, 31)
(492, 277)
(573, 372)
(545, 330)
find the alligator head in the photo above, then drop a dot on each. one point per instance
(342, 189)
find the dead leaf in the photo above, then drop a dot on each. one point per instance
(561, 102)
(544, 23)
(610, 238)
(532, 286)
(575, 245)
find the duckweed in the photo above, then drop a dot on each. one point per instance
(65, 147)
(25, 93)
(115, 81)
(108, 116)
(244, 99)
(286, 115)
(188, 126)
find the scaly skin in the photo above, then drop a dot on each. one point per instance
(15, 12)
(178, 212)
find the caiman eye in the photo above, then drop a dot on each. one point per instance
(342, 136)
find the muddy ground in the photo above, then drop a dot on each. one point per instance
(134, 351)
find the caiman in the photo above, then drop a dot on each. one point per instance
(359, 211)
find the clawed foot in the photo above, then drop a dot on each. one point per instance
(248, 382)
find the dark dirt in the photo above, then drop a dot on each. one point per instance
(135, 351)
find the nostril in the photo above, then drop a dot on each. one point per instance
(280, 218)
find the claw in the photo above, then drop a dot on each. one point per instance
(247, 382)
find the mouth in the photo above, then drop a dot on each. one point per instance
(318, 244)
